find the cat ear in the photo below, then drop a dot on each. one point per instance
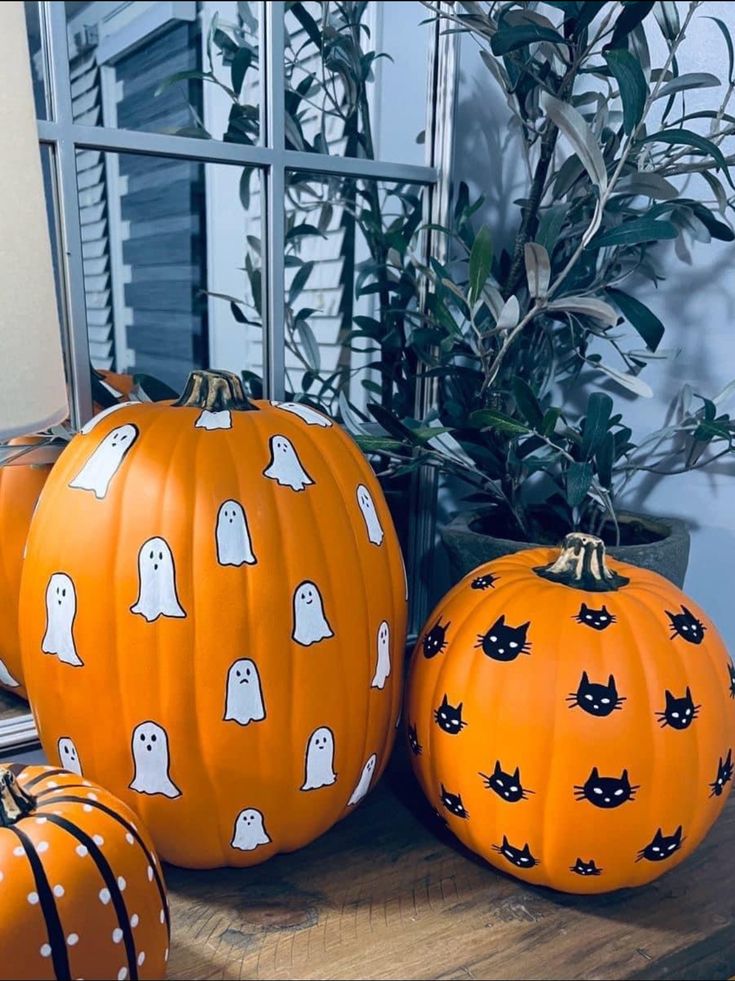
(459, 708)
(688, 612)
(585, 678)
(524, 626)
(585, 608)
(624, 777)
(611, 682)
(447, 625)
(506, 843)
(669, 698)
(659, 835)
(444, 790)
(498, 768)
(444, 701)
(671, 615)
(500, 622)
(677, 833)
(517, 774)
(605, 610)
(526, 850)
(595, 775)
(689, 694)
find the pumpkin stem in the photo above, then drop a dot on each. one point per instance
(216, 391)
(582, 564)
(15, 803)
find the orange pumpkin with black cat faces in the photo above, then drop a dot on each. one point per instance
(214, 604)
(573, 722)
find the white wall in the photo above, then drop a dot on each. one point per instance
(696, 304)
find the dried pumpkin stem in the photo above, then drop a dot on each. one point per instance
(582, 564)
(215, 391)
(15, 803)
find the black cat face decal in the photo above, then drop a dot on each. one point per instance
(597, 619)
(520, 857)
(606, 792)
(453, 803)
(436, 640)
(449, 717)
(686, 626)
(596, 699)
(585, 868)
(484, 582)
(731, 673)
(504, 643)
(507, 786)
(413, 741)
(724, 775)
(679, 712)
(661, 846)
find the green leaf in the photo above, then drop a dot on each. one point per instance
(635, 232)
(692, 80)
(309, 344)
(591, 306)
(632, 15)
(596, 422)
(667, 16)
(300, 280)
(377, 444)
(552, 221)
(604, 459)
(639, 316)
(572, 124)
(717, 229)
(491, 419)
(527, 402)
(538, 269)
(303, 229)
(578, 482)
(632, 84)
(308, 23)
(685, 137)
(728, 41)
(649, 184)
(240, 64)
(193, 73)
(481, 258)
(632, 382)
(508, 39)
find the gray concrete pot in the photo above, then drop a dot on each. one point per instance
(667, 553)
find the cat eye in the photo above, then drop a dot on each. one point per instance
(605, 701)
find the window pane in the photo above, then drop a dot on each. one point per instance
(161, 236)
(186, 68)
(356, 79)
(351, 293)
(38, 60)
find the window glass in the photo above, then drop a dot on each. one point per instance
(38, 59)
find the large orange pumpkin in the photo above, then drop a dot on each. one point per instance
(213, 609)
(21, 482)
(572, 722)
(81, 890)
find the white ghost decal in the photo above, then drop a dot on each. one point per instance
(105, 460)
(157, 582)
(285, 467)
(382, 668)
(310, 416)
(309, 622)
(244, 695)
(6, 677)
(363, 784)
(233, 536)
(61, 608)
(219, 419)
(68, 756)
(151, 761)
(91, 423)
(370, 515)
(319, 770)
(249, 830)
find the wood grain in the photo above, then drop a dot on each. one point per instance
(390, 894)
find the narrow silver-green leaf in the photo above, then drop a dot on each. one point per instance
(571, 123)
(510, 314)
(481, 258)
(692, 80)
(588, 305)
(631, 83)
(538, 269)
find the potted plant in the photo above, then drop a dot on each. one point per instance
(523, 345)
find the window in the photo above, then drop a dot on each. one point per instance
(241, 185)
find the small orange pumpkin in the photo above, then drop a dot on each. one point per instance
(213, 608)
(81, 890)
(572, 722)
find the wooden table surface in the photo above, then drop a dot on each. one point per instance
(389, 894)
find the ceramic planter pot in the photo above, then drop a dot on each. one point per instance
(663, 544)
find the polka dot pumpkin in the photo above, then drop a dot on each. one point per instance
(572, 722)
(81, 890)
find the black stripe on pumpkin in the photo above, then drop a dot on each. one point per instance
(47, 903)
(128, 827)
(63, 786)
(30, 784)
(110, 881)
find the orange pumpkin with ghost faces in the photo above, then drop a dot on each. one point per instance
(82, 890)
(572, 722)
(213, 608)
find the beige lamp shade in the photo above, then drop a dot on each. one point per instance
(32, 386)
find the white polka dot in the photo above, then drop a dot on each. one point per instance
(41, 820)
(32, 898)
(46, 950)
(104, 896)
(141, 958)
(87, 808)
(91, 796)
(86, 783)
(129, 838)
(117, 935)
(162, 917)
(165, 954)
(52, 784)
(42, 846)
(72, 939)
(58, 891)
(82, 851)
(150, 873)
(98, 840)
(58, 813)
(134, 920)
(18, 850)
(122, 974)
(121, 883)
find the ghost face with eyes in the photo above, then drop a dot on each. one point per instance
(105, 461)
(244, 698)
(61, 608)
(309, 621)
(382, 668)
(249, 830)
(232, 536)
(363, 784)
(68, 755)
(319, 760)
(151, 761)
(157, 582)
(370, 515)
(285, 467)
